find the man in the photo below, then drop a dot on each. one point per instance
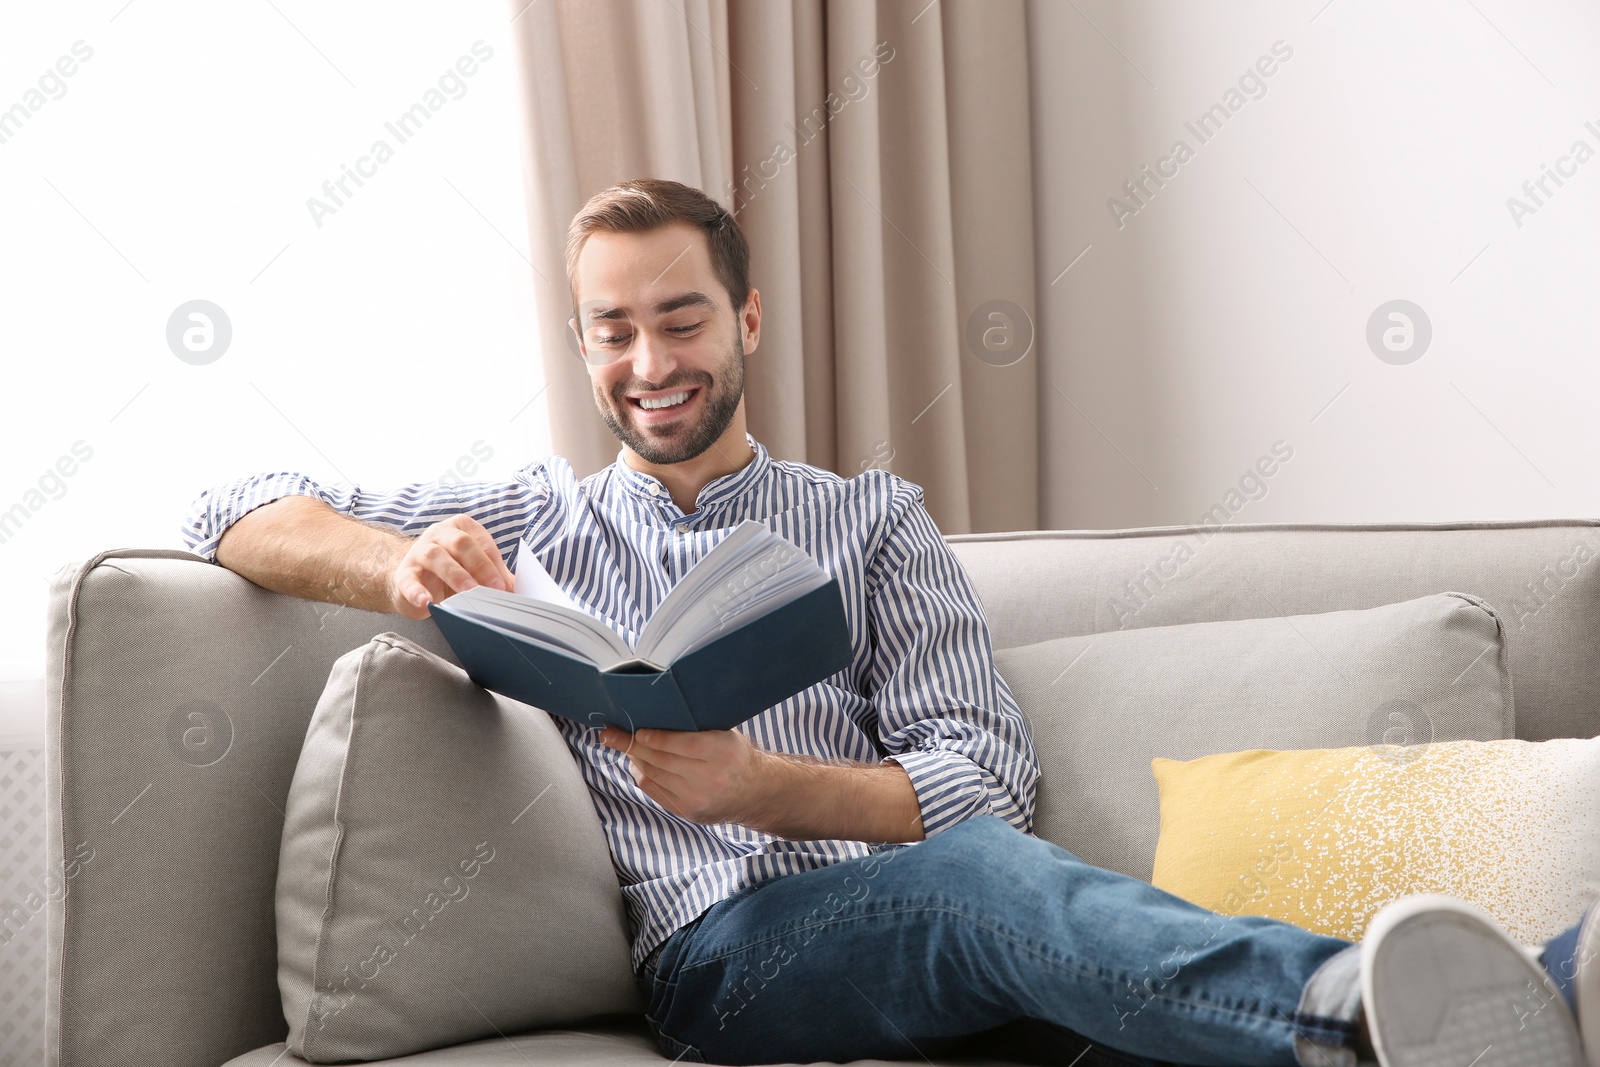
(849, 873)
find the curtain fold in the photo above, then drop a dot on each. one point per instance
(876, 154)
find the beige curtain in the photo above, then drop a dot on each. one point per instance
(876, 153)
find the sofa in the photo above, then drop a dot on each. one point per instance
(161, 940)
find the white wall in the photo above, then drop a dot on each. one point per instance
(1220, 319)
(1231, 309)
(175, 163)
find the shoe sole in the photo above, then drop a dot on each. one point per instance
(1444, 986)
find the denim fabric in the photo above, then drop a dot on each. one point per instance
(906, 952)
(1333, 996)
(1559, 958)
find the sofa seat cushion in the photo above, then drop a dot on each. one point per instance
(442, 874)
(1325, 838)
(608, 1042)
(1102, 706)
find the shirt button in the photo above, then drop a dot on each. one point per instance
(655, 488)
(682, 527)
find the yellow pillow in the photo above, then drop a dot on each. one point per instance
(1323, 838)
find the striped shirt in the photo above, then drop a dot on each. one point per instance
(921, 688)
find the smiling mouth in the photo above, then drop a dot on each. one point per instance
(664, 402)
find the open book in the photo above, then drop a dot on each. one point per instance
(753, 623)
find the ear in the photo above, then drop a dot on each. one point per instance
(583, 353)
(750, 322)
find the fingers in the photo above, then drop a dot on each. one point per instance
(481, 556)
(629, 744)
(698, 783)
(658, 761)
(415, 588)
(653, 778)
(463, 553)
(436, 561)
(451, 555)
(692, 744)
(672, 748)
(662, 795)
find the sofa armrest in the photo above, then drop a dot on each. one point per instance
(179, 695)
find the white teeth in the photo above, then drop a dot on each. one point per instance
(652, 403)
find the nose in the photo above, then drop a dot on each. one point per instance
(651, 357)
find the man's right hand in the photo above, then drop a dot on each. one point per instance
(451, 555)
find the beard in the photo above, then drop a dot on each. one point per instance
(678, 443)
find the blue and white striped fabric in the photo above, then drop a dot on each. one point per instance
(921, 689)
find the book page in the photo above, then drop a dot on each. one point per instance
(533, 580)
(571, 627)
(751, 572)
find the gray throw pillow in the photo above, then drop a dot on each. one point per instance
(1102, 706)
(443, 875)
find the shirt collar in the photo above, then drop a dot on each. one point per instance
(716, 491)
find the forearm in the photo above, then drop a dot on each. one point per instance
(299, 546)
(809, 799)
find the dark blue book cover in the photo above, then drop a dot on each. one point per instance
(741, 673)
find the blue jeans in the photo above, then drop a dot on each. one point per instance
(982, 929)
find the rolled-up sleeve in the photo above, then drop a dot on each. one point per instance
(944, 713)
(505, 508)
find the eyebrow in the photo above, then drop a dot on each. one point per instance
(682, 300)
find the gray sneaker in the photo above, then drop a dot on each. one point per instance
(1443, 985)
(1586, 983)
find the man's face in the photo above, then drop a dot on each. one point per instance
(665, 349)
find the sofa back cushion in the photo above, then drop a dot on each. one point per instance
(1102, 707)
(443, 875)
(1540, 576)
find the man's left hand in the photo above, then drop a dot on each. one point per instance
(707, 776)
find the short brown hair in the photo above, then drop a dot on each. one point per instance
(650, 203)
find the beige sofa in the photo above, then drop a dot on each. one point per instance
(162, 947)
